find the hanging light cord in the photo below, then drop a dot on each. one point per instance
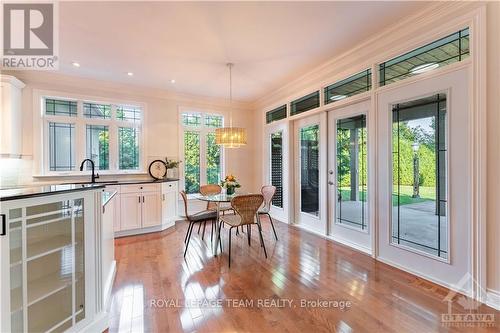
(230, 65)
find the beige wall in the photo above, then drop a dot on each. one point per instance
(161, 127)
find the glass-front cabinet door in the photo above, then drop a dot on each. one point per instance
(46, 267)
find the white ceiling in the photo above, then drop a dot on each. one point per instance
(270, 43)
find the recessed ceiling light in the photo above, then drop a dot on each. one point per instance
(424, 68)
(75, 64)
(130, 74)
(337, 97)
(172, 81)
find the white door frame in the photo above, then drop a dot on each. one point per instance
(282, 213)
(355, 238)
(308, 221)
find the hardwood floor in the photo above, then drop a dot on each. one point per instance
(154, 281)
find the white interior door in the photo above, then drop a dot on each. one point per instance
(424, 178)
(310, 172)
(276, 168)
(348, 176)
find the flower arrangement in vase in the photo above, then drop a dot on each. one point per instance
(171, 165)
(230, 184)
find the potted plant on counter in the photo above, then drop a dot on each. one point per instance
(230, 184)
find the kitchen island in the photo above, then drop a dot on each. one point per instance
(56, 259)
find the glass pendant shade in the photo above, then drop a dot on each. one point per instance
(231, 137)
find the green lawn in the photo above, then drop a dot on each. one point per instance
(426, 194)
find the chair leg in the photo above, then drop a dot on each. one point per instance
(218, 235)
(237, 231)
(212, 232)
(272, 225)
(199, 227)
(203, 233)
(248, 233)
(189, 237)
(230, 246)
(187, 232)
(261, 238)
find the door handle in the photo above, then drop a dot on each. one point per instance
(4, 225)
(330, 183)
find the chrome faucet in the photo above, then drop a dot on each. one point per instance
(94, 175)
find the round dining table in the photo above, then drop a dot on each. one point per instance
(217, 199)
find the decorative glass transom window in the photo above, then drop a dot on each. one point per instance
(108, 134)
(353, 85)
(445, 51)
(305, 103)
(276, 114)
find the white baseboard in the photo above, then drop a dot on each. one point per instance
(100, 324)
(424, 276)
(350, 244)
(493, 299)
(146, 230)
(337, 239)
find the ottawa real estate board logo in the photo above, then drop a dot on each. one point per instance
(29, 35)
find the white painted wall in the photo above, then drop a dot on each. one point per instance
(435, 21)
(161, 127)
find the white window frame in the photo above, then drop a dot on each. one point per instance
(41, 134)
(202, 130)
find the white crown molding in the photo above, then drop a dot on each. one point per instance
(390, 42)
(12, 80)
(69, 83)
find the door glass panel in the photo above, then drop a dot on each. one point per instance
(277, 168)
(419, 167)
(192, 161)
(309, 170)
(351, 172)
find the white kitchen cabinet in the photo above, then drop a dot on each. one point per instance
(49, 259)
(117, 208)
(169, 202)
(11, 136)
(145, 207)
(131, 213)
(151, 209)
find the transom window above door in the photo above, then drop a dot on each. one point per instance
(202, 157)
(110, 134)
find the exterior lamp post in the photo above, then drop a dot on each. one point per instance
(416, 177)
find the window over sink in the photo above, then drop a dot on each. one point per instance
(73, 129)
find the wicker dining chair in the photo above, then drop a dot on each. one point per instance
(268, 191)
(200, 217)
(245, 207)
(211, 189)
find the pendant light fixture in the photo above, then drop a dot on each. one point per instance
(231, 137)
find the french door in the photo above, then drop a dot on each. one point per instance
(310, 173)
(277, 171)
(424, 178)
(348, 176)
